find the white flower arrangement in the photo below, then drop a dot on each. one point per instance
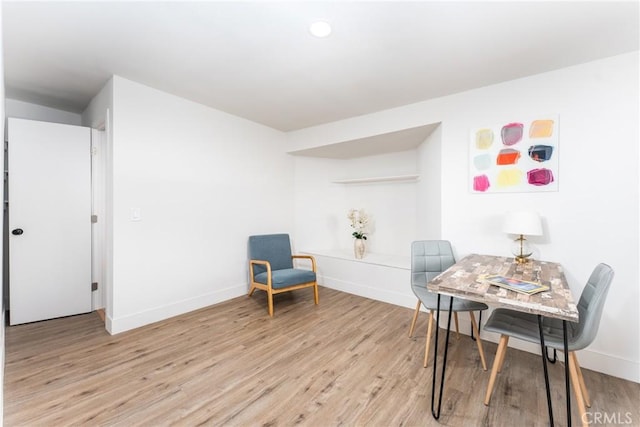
(359, 220)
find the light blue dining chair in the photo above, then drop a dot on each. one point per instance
(524, 326)
(429, 258)
(271, 267)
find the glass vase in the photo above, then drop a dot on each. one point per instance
(358, 248)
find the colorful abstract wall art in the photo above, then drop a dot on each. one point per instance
(515, 156)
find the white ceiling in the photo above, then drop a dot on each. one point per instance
(257, 60)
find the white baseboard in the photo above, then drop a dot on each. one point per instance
(609, 364)
(136, 320)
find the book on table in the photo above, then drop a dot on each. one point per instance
(517, 285)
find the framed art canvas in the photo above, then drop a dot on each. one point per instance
(519, 155)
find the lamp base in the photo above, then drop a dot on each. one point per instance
(521, 250)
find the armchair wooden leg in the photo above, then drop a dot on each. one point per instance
(270, 301)
(583, 387)
(415, 317)
(316, 298)
(429, 331)
(577, 389)
(478, 340)
(253, 288)
(497, 362)
(455, 317)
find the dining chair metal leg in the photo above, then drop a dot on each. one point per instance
(415, 317)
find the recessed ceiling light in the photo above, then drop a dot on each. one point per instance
(320, 29)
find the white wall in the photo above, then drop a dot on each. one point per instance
(27, 110)
(591, 219)
(203, 181)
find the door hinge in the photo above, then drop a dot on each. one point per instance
(94, 286)
(94, 219)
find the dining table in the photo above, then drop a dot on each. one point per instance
(468, 279)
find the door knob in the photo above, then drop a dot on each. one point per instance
(17, 232)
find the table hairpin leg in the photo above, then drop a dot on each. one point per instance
(566, 371)
(555, 355)
(546, 374)
(436, 414)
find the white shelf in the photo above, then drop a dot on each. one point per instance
(395, 178)
(386, 260)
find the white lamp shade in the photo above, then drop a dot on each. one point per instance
(523, 222)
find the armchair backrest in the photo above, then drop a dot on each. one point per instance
(428, 259)
(275, 248)
(591, 305)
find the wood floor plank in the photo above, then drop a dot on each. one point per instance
(347, 361)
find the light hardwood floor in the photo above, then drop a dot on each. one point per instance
(347, 361)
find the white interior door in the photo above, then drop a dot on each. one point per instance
(49, 220)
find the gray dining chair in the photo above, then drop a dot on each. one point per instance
(429, 258)
(524, 326)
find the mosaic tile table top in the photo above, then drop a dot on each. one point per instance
(465, 280)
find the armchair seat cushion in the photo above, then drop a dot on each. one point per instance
(286, 277)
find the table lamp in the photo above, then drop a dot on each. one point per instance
(522, 223)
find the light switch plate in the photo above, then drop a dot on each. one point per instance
(135, 214)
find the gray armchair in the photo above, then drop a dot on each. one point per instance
(429, 258)
(271, 267)
(525, 326)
